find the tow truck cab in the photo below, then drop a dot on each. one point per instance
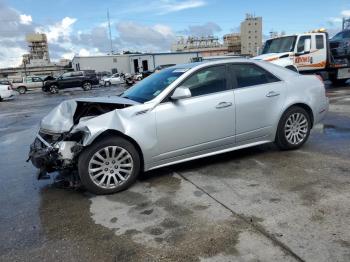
(306, 53)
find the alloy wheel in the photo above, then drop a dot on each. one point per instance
(87, 86)
(296, 128)
(110, 167)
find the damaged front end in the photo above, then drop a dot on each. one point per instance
(54, 152)
(62, 134)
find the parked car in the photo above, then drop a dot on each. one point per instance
(6, 92)
(340, 44)
(112, 80)
(83, 79)
(182, 113)
(6, 82)
(155, 70)
(23, 84)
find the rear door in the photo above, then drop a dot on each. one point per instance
(259, 97)
(203, 122)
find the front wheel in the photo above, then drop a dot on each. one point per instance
(293, 128)
(53, 89)
(87, 86)
(109, 166)
(107, 83)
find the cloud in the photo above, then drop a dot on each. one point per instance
(207, 29)
(167, 6)
(58, 31)
(145, 38)
(162, 7)
(25, 19)
(345, 13)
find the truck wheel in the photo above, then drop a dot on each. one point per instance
(109, 165)
(54, 89)
(87, 86)
(22, 90)
(293, 128)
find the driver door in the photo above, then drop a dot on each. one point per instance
(201, 123)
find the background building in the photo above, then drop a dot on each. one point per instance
(233, 42)
(131, 63)
(38, 50)
(251, 35)
(37, 61)
(206, 46)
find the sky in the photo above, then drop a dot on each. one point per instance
(79, 27)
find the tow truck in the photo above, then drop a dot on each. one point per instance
(307, 53)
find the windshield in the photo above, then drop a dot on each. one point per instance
(279, 45)
(152, 86)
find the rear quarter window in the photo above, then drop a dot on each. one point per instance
(251, 75)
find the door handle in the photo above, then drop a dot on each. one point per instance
(223, 105)
(272, 94)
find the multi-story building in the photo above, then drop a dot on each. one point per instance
(233, 42)
(38, 50)
(206, 46)
(251, 35)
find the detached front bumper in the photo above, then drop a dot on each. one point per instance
(52, 156)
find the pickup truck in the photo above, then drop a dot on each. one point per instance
(23, 84)
(83, 79)
(307, 53)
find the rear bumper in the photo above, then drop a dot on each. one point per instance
(7, 95)
(322, 112)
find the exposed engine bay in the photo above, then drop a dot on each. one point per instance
(63, 133)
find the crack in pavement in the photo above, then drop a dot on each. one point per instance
(247, 220)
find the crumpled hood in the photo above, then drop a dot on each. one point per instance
(271, 56)
(62, 118)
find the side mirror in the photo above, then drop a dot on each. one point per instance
(181, 93)
(307, 46)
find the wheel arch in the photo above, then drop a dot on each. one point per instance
(305, 106)
(112, 132)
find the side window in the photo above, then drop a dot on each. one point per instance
(75, 74)
(207, 81)
(36, 79)
(251, 75)
(66, 75)
(319, 42)
(301, 43)
(346, 34)
(29, 80)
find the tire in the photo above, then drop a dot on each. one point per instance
(108, 83)
(293, 128)
(53, 89)
(22, 90)
(86, 86)
(91, 164)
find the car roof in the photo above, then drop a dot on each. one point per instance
(214, 62)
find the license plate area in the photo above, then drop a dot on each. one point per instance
(343, 73)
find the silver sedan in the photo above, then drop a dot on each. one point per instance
(182, 113)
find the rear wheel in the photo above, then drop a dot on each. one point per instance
(22, 90)
(53, 89)
(293, 128)
(87, 86)
(109, 166)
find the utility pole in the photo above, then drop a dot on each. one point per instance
(110, 32)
